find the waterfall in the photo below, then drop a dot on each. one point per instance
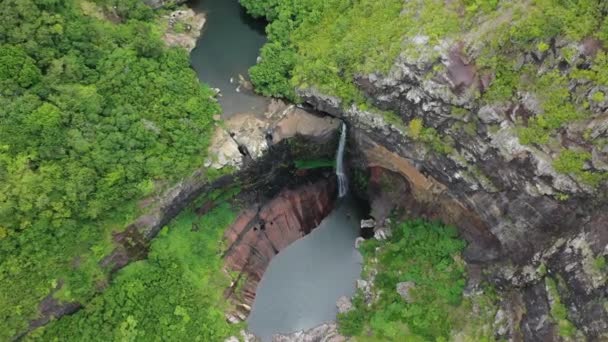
(342, 179)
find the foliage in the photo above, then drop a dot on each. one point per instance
(552, 89)
(261, 8)
(415, 127)
(327, 44)
(600, 263)
(94, 115)
(176, 294)
(429, 136)
(559, 313)
(423, 252)
(573, 162)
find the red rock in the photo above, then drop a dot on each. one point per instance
(257, 236)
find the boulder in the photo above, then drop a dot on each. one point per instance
(191, 25)
(368, 224)
(382, 234)
(224, 151)
(404, 290)
(344, 304)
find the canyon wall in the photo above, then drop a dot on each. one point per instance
(524, 221)
(261, 232)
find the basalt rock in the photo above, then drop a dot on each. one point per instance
(518, 214)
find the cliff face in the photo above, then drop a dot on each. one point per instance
(524, 221)
(261, 233)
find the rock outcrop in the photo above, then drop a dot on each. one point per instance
(184, 27)
(327, 332)
(260, 233)
(248, 136)
(518, 213)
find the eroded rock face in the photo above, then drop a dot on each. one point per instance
(515, 210)
(261, 233)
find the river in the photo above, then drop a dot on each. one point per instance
(228, 47)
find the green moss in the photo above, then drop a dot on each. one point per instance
(573, 163)
(598, 96)
(392, 118)
(459, 112)
(438, 143)
(570, 161)
(559, 313)
(471, 128)
(415, 128)
(180, 27)
(506, 78)
(542, 47)
(600, 263)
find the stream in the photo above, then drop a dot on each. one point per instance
(228, 47)
(302, 283)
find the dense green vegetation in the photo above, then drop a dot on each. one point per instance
(427, 254)
(174, 295)
(326, 43)
(95, 113)
(573, 162)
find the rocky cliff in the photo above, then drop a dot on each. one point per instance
(262, 232)
(461, 160)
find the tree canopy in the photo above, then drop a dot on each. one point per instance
(95, 113)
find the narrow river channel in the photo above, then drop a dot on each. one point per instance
(228, 47)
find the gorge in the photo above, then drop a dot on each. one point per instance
(465, 140)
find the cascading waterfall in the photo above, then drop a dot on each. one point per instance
(342, 179)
